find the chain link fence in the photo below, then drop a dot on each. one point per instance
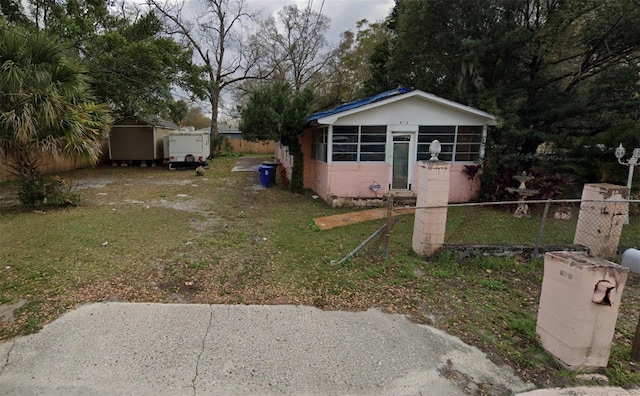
(529, 227)
(542, 225)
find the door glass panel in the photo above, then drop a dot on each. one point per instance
(400, 179)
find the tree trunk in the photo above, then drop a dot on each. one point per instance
(214, 99)
(24, 164)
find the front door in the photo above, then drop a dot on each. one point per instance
(400, 166)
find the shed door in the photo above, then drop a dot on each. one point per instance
(400, 166)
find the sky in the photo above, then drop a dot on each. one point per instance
(343, 13)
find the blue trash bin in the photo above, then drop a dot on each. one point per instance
(265, 174)
(275, 169)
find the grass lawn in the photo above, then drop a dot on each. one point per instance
(150, 234)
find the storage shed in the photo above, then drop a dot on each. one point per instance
(357, 153)
(134, 139)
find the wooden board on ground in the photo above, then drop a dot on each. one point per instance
(343, 219)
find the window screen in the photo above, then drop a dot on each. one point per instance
(461, 143)
(446, 135)
(373, 143)
(468, 143)
(319, 151)
(355, 143)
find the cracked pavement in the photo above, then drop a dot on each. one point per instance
(202, 350)
(173, 349)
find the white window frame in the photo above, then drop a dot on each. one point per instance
(358, 144)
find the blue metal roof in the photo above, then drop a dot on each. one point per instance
(358, 103)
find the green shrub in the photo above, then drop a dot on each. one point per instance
(47, 191)
(222, 146)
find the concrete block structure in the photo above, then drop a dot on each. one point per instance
(431, 207)
(578, 308)
(600, 223)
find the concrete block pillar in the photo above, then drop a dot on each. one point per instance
(600, 223)
(431, 214)
(578, 310)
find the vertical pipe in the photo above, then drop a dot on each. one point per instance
(541, 231)
(387, 234)
(625, 221)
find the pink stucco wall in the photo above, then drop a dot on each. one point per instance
(461, 189)
(318, 180)
(352, 179)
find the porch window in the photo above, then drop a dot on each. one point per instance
(345, 143)
(373, 142)
(446, 135)
(319, 137)
(359, 143)
(459, 143)
(468, 143)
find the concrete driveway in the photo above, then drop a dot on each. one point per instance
(172, 349)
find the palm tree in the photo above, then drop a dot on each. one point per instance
(45, 104)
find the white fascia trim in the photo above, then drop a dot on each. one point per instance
(330, 120)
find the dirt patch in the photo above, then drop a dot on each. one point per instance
(118, 188)
(6, 311)
(183, 291)
(470, 387)
(9, 197)
(92, 183)
(186, 205)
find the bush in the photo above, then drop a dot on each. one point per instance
(552, 186)
(47, 191)
(222, 146)
(497, 174)
(282, 175)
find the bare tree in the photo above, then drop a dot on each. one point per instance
(295, 43)
(223, 52)
(344, 77)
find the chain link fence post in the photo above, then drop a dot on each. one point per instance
(536, 250)
(387, 234)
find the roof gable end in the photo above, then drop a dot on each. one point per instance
(331, 116)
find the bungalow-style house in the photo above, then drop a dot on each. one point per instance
(357, 153)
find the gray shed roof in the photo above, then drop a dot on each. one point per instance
(157, 122)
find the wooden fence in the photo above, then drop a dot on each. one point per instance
(245, 146)
(52, 165)
(49, 165)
